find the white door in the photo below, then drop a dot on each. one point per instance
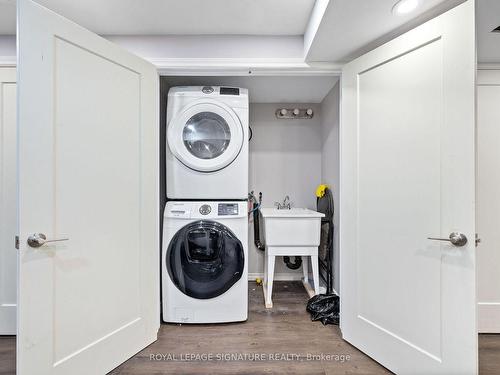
(8, 214)
(488, 200)
(87, 172)
(407, 173)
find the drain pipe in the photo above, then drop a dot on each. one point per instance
(295, 265)
(256, 220)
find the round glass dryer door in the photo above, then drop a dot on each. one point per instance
(206, 136)
(204, 259)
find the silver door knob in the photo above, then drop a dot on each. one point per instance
(39, 239)
(456, 239)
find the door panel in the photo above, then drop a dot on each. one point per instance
(88, 172)
(8, 214)
(408, 174)
(408, 158)
(488, 201)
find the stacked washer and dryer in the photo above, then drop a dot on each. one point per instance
(205, 229)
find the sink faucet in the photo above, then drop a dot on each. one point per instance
(286, 204)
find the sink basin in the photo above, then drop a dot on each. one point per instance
(294, 227)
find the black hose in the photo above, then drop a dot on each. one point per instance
(256, 228)
(295, 265)
(256, 222)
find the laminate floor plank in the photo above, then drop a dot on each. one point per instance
(7, 355)
(489, 354)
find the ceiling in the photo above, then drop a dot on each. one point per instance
(156, 17)
(348, 27)
(263, 89)
(351, 27)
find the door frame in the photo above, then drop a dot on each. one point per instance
(244, 67)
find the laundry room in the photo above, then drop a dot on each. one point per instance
(289, 155)
(249, 187)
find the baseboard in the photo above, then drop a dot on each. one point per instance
(296, 276)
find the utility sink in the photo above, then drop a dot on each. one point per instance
(291, 232)
(291, 227)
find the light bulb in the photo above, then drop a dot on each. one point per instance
(404, 6)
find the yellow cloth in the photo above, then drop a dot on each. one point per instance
(320, 190)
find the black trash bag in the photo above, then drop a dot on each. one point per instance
(324, 307)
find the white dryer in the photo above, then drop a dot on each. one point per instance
(207, 143)
(205, 262)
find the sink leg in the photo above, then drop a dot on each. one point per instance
(269, 276)
(315, 267)
(305, 268)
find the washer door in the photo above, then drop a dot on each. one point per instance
(206, 136)
(204, 259)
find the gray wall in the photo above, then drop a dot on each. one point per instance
(285, 159)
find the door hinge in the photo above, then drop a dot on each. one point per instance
(17, 242)
(478, 240)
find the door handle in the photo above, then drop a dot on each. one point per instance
(456, 239)
(38, 239)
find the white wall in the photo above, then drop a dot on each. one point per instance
(210, 46)
(285, 159)
(7, 48)
(8, 203)
(157, 47)
(488, 200)
(330, 167)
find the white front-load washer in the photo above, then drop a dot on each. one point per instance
(207, 143)
(205, 262)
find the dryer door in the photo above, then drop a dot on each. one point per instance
(206, 136)
(204, 259)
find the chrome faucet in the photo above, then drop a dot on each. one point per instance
(285, 205)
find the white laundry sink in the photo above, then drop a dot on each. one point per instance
(291, 227)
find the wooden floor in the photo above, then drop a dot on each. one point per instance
(285, 329)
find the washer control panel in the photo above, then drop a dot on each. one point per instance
(205, 209)
(225, 209)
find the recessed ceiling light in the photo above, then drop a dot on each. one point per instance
(404, 6)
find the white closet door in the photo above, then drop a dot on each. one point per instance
(88, 168)
(407, 173)
(488, 200)
(8, 208)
